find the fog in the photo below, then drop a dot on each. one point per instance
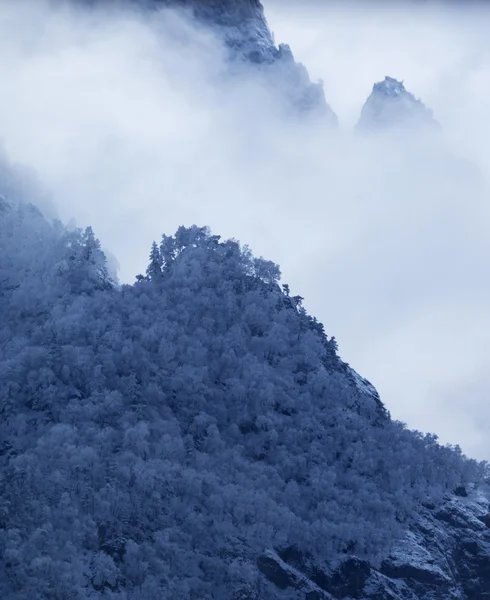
(135, 127)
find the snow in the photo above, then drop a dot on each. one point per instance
(297, 575)
(362, 384)
(409, 552)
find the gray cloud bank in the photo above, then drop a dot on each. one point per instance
(136, 127)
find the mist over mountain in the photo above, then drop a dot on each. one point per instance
(186, 429)
(391, 106)
(243, 28)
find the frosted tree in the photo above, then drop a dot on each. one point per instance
(154, 270)
(163, 437)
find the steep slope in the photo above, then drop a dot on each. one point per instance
(390, 106)
(242, 26)
(445, 555)
(196, 435)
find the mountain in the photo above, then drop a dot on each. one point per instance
(243, 28)
(391, 107)
(196, 435)
(392, 110)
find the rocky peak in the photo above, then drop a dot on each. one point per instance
(390, 106)
(243, 27)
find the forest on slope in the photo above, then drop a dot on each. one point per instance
(157, 438)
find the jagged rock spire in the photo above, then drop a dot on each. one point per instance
(390, 106)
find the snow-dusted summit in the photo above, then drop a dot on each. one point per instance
(391, 106)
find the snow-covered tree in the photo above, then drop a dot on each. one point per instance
(159, 438)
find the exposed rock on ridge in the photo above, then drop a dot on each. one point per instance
(243, 27)
(246, 32)
(390, 106)
(444, 556)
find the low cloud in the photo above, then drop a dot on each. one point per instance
(136, 126)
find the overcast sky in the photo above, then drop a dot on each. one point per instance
(412, 308)
(134, 130)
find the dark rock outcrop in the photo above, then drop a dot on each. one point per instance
(444, 556)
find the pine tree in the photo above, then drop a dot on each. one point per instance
(154, 270)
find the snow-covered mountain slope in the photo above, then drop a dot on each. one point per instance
(391, 107)
(196, 435)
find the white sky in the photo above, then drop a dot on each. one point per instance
(133, 130)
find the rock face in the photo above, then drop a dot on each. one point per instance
(390, 106)
(444, 556)
(243, 27)
(242, 24)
